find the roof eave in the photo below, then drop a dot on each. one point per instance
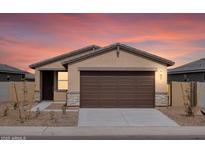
(72, 53)
(12, 72)
(149, 55)
(136, 51)
(186, 71)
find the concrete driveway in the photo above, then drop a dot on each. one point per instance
(123, 117)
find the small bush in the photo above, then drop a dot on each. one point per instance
(15, 105)
(6, 110)
(64, 109)
(187, 104)
(52, 115)
(38, 112)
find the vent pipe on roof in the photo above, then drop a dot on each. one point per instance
(93, 49)
(118, 51)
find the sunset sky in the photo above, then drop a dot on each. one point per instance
(28, 38)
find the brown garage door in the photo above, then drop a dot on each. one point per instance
(119, 89)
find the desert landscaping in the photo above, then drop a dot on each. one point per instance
(55, 115)
(178, 114)
(10, 116)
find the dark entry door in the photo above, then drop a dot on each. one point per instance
(117, 89)
(47, 85)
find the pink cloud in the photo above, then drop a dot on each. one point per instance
(28, 38)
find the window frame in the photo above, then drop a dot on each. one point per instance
(60, 90)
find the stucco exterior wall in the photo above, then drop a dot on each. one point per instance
(110, 59)
(37, 85)
(37, 80)
(59, 96)
(58, 64)
(53, 66)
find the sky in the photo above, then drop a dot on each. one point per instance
(29, 38)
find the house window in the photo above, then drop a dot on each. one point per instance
(62, 81)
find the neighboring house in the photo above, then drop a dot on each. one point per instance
(194, 71)
(113, 76)
(29, 76)
(9, 73)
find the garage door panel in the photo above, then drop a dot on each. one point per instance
(125, 86)
(135, 97)
(117, 89)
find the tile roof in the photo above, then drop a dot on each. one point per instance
(92, 50)
(121, 46)
(4, 68)
(63, 56)
(10, 69)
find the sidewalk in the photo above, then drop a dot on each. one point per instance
(105, 132)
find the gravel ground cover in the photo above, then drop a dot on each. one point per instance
(45, 118)
(178, 114)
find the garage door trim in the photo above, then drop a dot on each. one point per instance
(126, 76)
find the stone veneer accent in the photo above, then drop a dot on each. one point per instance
(37, 96)
(161, 99)
(73, 98)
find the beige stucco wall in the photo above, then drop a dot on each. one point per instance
(53, 65)
(58, 64)
(59, 96)
(37, 80)
(110, 59)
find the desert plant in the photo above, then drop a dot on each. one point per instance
(52, 115)
(15, 105)
(189, 111)
(38, 112)
(187, 101)
(187, 104)
(6, 110)
(30, 106)
(64, 108)
(21, 120)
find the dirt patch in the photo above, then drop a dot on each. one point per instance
(44, 118)
(58, 106)
(55, 106)
(178, 114)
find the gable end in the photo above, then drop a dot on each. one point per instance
(124, 47)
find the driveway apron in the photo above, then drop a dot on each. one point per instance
(123, 117)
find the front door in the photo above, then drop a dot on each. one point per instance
(47, 85)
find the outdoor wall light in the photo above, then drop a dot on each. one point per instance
(160, 74)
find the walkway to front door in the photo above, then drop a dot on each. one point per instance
(42, 105)
(123, 117)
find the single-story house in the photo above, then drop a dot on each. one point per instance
(10, 73)
(116, 75)
(194, 71)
